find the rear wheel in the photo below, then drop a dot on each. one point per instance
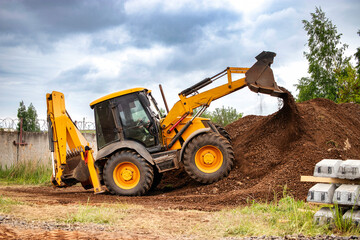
(208, 158)
(127, 173)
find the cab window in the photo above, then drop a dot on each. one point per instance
(105, 126)
(135, 120)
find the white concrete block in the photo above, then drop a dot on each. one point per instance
(354, 215)
(347, 195)
(327, 168)
(321, 193)
(349, 169)
(324, 216)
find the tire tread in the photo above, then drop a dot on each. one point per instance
(192, 147)
(109, 168)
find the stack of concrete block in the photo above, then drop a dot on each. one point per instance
(347, 196)
(344, 194)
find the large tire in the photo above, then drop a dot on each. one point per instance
(208, 158)
(127, 173)
(223, 132)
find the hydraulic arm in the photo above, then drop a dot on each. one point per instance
(72, 157)
(259, 78)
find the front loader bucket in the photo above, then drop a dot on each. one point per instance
(260, 77)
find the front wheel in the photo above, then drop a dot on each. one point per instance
(208, 158)
(127, 173)
(223, 132)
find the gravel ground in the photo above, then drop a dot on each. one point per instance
(97, 231)
(52, 225)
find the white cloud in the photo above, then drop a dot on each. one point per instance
(247, 7)
(171, 6)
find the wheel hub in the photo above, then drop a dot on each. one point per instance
(208, 158)
(127, 174)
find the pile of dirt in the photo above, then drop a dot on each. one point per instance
(274, 151)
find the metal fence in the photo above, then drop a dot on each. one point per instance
(11, 124)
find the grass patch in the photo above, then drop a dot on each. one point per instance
(26, 172)
(92, 214)
(97, 214)
(278, 218)
(7, 203)
(344, 225)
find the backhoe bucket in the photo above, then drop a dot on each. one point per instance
(75, 169)
(260, 77)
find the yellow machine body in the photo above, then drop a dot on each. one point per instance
(129, 165)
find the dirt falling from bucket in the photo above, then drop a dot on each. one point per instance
(288, 120)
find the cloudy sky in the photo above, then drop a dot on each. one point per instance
(87, 49)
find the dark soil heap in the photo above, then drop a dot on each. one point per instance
(274, 151)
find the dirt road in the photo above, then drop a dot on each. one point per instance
(77, 195)
(45, 208)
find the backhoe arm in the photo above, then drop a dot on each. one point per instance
(72, 158)
(187, 104)
(259, 78)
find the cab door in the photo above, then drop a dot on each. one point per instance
(135, 120)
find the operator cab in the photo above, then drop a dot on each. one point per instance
(127, 115)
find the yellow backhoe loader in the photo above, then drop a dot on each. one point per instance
(136, 144)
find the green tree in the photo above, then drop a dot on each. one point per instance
(326, 54)
(29, 117)
(222, 116)
(349, 81)
(33, 123)
(22, 114)
(349, 85)
(357, 57)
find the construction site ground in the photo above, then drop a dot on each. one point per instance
(271, 152)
